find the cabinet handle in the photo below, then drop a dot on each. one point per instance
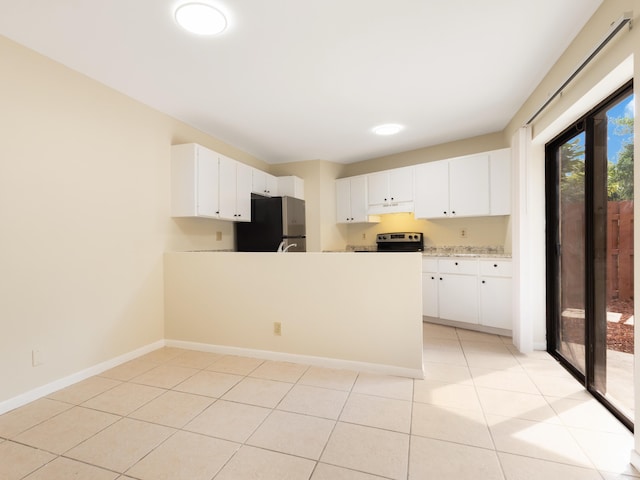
(433, 278)
(456, 263)
(440, 278)
(391, 198)
(495, 265)
(445, 212)
(453, 212)
(483, 281)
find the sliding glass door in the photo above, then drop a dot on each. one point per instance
(570, 250)
(590, 251)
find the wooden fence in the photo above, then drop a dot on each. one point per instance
(619, 254)
(620, 251)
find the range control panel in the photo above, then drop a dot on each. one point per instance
(400, 237)
(400, 242)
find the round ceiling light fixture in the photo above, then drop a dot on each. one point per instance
(200, 19)
(387, 129)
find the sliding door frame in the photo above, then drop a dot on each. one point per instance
(595, 302)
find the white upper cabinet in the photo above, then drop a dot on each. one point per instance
(469, 186)
(291, 186)
(351, 200)
(500, 179)
(207, 184)
(390, 191)
(235, 190)
(263, 183)
(432, 190)
(194, 181)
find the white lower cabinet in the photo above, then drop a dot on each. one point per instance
(471, 291)
(495, 293)
(430, 280)
(458, 289)
(430, 294)
(458, 298)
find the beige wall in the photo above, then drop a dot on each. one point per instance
(333, 308)
(84, 209)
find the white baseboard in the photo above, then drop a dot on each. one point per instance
(56, 385)
(635, 460)
(304, 359)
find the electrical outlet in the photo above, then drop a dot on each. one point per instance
(277, 328)
(36, 358)
(464, 233)
(218, 236)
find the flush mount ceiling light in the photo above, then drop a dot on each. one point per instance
(387, 129)
(200, 19)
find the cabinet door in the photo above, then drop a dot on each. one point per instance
(359, 199)
(258, 181)
(243, 193)
(271, 185)
(500, 178)
(430, 294)
(343, 200)
(469, 186)
(458, 266)
(194, 181)
(227, 185)
(291, 186)
(378, 188)
(495, 302)
(495, 268)
(458, 297)
(431, 190)
(207, 183)
(401, 185)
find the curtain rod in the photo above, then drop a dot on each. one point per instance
(613, 31)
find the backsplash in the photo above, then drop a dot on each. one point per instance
(443, 233)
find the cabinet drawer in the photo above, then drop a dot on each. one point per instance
(457, 265)
(495, 268)
(429, 264)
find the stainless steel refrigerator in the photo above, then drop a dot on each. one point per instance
(276, 222)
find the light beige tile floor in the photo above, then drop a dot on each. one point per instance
(482, 412)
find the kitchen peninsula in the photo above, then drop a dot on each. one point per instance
(337, 310)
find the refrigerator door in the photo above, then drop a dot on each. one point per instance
(293, 217)
(273, 219)
(264, 232)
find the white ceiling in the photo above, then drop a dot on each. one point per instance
(293, 80)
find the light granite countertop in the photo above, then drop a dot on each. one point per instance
(467, 255)
(490, 251)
